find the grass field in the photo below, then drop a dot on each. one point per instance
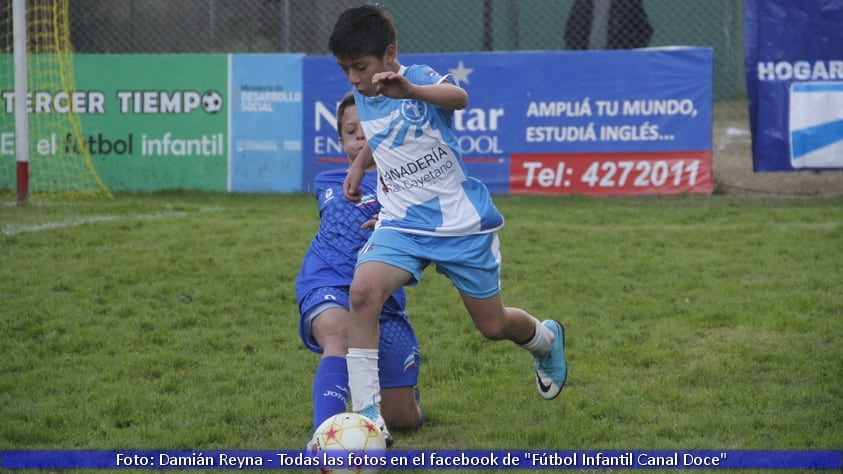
(168, 321)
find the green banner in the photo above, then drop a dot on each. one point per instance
(153, 122)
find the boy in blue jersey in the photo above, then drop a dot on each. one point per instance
(432, 211)
(322, 292)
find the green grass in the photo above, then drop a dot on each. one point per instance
(169, 321)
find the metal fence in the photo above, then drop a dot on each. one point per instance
(236, 26)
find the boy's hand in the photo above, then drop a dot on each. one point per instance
(356, 172)
(370, 224)
(391, 84)
(351, 185)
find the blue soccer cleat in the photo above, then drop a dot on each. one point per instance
(552, 369)
(371, 413)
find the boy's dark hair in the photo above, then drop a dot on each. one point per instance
(362, 31)
(346, 102)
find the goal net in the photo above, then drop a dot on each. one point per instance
(54, 169)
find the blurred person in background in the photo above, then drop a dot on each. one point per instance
(608, 24)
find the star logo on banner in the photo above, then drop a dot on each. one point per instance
(461, 73)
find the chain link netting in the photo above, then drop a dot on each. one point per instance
(303, 26)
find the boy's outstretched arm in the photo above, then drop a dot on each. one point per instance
(356, 171)
(443, 95)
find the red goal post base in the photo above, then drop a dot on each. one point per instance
(23, 181)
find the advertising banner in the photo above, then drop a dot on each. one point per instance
(266, 127)
(794, 76)
(154, 122)
(589, 122)
(596, 122)
(200, 122)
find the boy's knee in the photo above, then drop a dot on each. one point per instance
(408, 420)
(492, 330)
(361, 295)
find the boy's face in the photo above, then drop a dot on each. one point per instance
(351, 134)
(359, 70)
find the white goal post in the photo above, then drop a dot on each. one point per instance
(21, 115)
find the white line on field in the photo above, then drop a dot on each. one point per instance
(21, 229)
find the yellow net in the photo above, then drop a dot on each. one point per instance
(55, 169)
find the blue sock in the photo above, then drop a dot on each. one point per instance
(330, 389)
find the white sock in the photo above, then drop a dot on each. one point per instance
(363, 382)
(541, 343)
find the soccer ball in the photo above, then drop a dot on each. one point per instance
(348, 433)
(212, 102)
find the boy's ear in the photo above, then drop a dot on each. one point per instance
(390, 54)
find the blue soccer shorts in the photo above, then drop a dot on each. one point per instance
(472, 263)
(398, 350)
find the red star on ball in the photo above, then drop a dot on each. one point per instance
(331, 434)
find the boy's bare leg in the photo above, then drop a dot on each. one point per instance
(400, 408)
(497, 322)
(544, 340)
(373, 283)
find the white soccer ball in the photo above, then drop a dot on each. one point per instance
(349, 433)
(211, 102)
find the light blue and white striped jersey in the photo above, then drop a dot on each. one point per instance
(424, 187)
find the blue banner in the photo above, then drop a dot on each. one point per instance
(532, 114)
(265, 92)
(794, 76)
(633, 459)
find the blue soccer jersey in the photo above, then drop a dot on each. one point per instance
(424, 186)
(325, 277)
(332, 255)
